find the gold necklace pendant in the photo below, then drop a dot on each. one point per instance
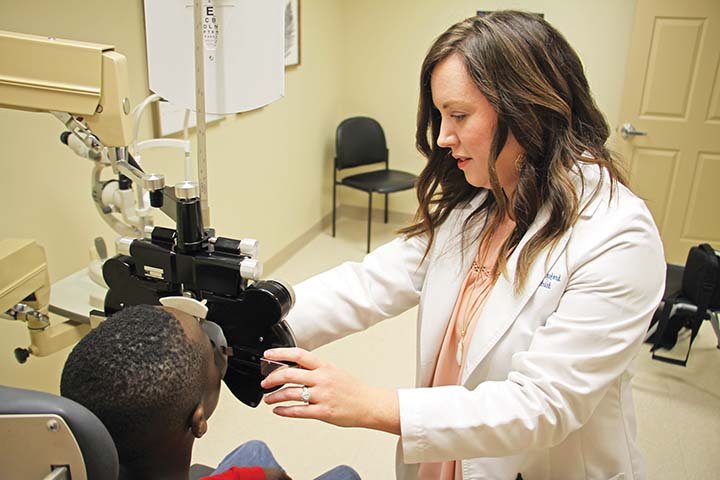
(459, 352)
(485, 274)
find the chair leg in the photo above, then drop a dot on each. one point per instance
(333, 213)
(369, 220)
(386, 208)
(715, 322)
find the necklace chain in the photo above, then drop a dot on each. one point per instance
(483, 272)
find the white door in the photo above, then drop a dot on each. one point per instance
(672, 93)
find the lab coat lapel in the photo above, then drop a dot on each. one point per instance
(504, 304)
(448, 270)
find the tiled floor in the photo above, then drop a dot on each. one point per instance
(679, 412)
(678, 408)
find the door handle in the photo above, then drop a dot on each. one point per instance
(627, 130)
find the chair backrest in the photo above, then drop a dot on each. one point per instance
(42, 431)
(359, 141)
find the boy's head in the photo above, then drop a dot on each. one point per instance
(149, 374)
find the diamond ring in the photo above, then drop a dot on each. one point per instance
(305, 395)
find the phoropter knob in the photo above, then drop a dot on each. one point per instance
(251, 269)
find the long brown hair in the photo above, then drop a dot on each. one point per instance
(535, 82)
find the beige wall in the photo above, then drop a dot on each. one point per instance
(270, 170)
(387, 41)
(267, 169)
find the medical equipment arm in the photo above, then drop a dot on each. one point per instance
(25, 296)
(86, 86)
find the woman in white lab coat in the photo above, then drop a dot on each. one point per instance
(535, 268)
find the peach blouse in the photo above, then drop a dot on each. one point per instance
(453, 352)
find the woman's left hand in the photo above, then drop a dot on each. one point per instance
(334, 396)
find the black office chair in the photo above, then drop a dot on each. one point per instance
(678, 311)
(361, 141)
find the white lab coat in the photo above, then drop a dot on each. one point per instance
(546, 388)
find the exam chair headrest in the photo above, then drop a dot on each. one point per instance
(44, 431)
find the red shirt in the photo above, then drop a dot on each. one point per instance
(237, 473)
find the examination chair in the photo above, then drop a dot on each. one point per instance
(48, 437)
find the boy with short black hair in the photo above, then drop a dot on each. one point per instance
(148, 373)
(152, 376)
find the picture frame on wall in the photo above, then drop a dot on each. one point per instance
(482, 13)
(292, 33)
